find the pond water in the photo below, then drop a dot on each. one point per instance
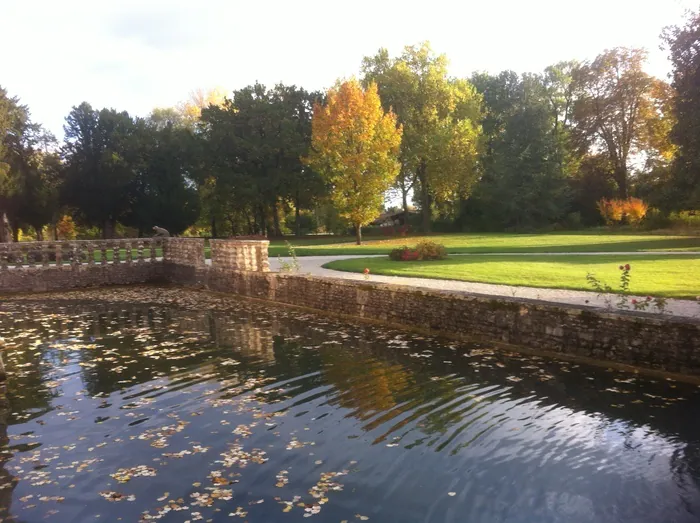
(157, 404)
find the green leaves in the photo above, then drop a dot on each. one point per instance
(440, 119)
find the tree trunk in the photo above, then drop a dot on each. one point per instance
(621, 179)
(276, 219)
(108, 229)
(15, 234)
(39, 234)
(424, 197)
(358, 234)
(5, 229)
(213, 228)
(297, 218)
(263, 221)
(404, 196)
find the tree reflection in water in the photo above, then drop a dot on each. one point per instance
(122, 364)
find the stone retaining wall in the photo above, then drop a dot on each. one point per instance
(66, 277)
(664, 343)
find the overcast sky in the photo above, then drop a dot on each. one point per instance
(136, 55)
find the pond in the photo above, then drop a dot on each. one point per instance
(159, 404)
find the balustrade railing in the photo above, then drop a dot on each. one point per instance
(80, 252)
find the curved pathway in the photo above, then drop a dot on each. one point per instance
(313, 265)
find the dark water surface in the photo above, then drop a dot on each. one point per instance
(151, 404)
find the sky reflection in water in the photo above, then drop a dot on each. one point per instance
(151, 404)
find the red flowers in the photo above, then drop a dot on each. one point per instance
(634, 302)
(625, 267)
(366, 270)
(648, 298)
(622, 268)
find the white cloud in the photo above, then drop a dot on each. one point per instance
(136, 55)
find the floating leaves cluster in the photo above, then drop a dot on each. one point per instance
(226, 409)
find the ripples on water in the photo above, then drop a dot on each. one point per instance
(193, 407)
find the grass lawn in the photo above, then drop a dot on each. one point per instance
(597, 241)
(670, 276)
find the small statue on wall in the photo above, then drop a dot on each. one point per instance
(160, 232)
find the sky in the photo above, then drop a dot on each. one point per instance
(137, 55)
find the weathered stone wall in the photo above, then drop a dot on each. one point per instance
(183, 260)
(184, 251)
(240, 255)
(645, 340)
(51, 278)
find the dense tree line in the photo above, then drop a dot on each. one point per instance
(502, 151)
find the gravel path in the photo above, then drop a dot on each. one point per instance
(313, 265)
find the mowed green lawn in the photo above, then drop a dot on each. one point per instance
(599, 241)
(675, 276)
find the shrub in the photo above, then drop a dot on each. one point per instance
(573, 221)
(65, 228)
(425, 250)
(635, 210)
(656, 219)
(614, 211)
(686, 219)
(397, 254)
(429, 250)
(410, 255)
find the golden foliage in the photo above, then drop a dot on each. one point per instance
(200, 99)
(635, 210)
(65, 228)
(354, 147)
(614, 211)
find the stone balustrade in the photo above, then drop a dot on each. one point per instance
(80, 252)
(44, 266)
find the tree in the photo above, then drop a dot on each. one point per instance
(199, 99)
(28, 171)
(683, 44)
(163, 190)
(440, 120)
(100, 154)
(616, 109)
(355, 146)
(524, 169)
(253, 144)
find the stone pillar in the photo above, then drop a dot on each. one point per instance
(184, 251)
(240, 255)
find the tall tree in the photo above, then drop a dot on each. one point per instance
(440, 119)
(254, 142)
(163, 191)
(523, 184)
(355, 147)
(28, 171)
(615, 109)
(683, 44)
(100, 157)
(191, 110)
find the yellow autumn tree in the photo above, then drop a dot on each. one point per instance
(199, 99)
(355, 147)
